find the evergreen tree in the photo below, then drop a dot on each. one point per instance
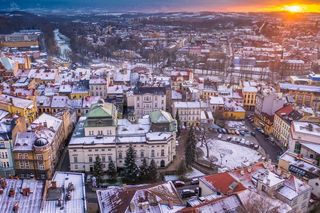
(178, 123)
(144, 172)
(153, 171)
(131, 169)
(190, 152)
(112, 172)
(97, 169)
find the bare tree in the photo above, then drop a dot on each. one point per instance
(204, 139)
(255, 203)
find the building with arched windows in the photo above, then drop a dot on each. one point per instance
(101, 134)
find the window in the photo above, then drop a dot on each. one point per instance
(39, 157)
(120, 155)
(162, 152)
(90, 159)
(109, 158)
(40, 166)
(75, 166)
(142, 154)
(27, 166)
(75, 159)
(103, 159)
(297, 148)
(26, 156)
(152, 153)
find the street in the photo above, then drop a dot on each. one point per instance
(272, 150)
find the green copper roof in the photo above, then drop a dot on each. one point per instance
(101, 111)
(160, 117)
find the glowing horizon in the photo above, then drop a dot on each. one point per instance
(297, 6)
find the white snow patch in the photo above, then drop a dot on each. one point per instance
(233, 155)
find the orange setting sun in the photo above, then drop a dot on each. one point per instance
(293, 8)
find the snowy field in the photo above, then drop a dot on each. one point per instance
(230, 155)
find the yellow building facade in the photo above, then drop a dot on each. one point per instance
(26, 108)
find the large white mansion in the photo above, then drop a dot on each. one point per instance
(100, 133)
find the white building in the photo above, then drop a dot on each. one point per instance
(147, 99)
(304, 139)
(189, 112)
(101, 134)
(98, 87)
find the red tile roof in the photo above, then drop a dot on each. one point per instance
(221, 182)
(286, 110)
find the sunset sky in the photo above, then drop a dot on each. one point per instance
(170, 5)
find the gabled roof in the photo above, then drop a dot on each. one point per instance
(123, 199)
(223, 183)
(101, 111)
(160, 117)
(7, 63)
(223, 204)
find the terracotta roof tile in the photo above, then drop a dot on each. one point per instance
(223, 183)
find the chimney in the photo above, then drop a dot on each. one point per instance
(3, 183)
(11, 192)
(59, 204)
(53, 184)
(26, 191)
(16, 207)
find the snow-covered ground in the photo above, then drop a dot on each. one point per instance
(230, 155)
(190, 175)
(63, 45)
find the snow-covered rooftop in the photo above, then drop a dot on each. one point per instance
(26, 203)
(72, 183)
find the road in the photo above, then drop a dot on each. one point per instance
(272, 150)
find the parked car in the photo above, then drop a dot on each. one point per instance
(219, 130)
(179, 183)
(195, 181)
(228, 138)
(224, 131)
(256, 146)
(242, 141)
(253, 134)
(237, 132)
(242, 133)
(188, 193)
(220, 136)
